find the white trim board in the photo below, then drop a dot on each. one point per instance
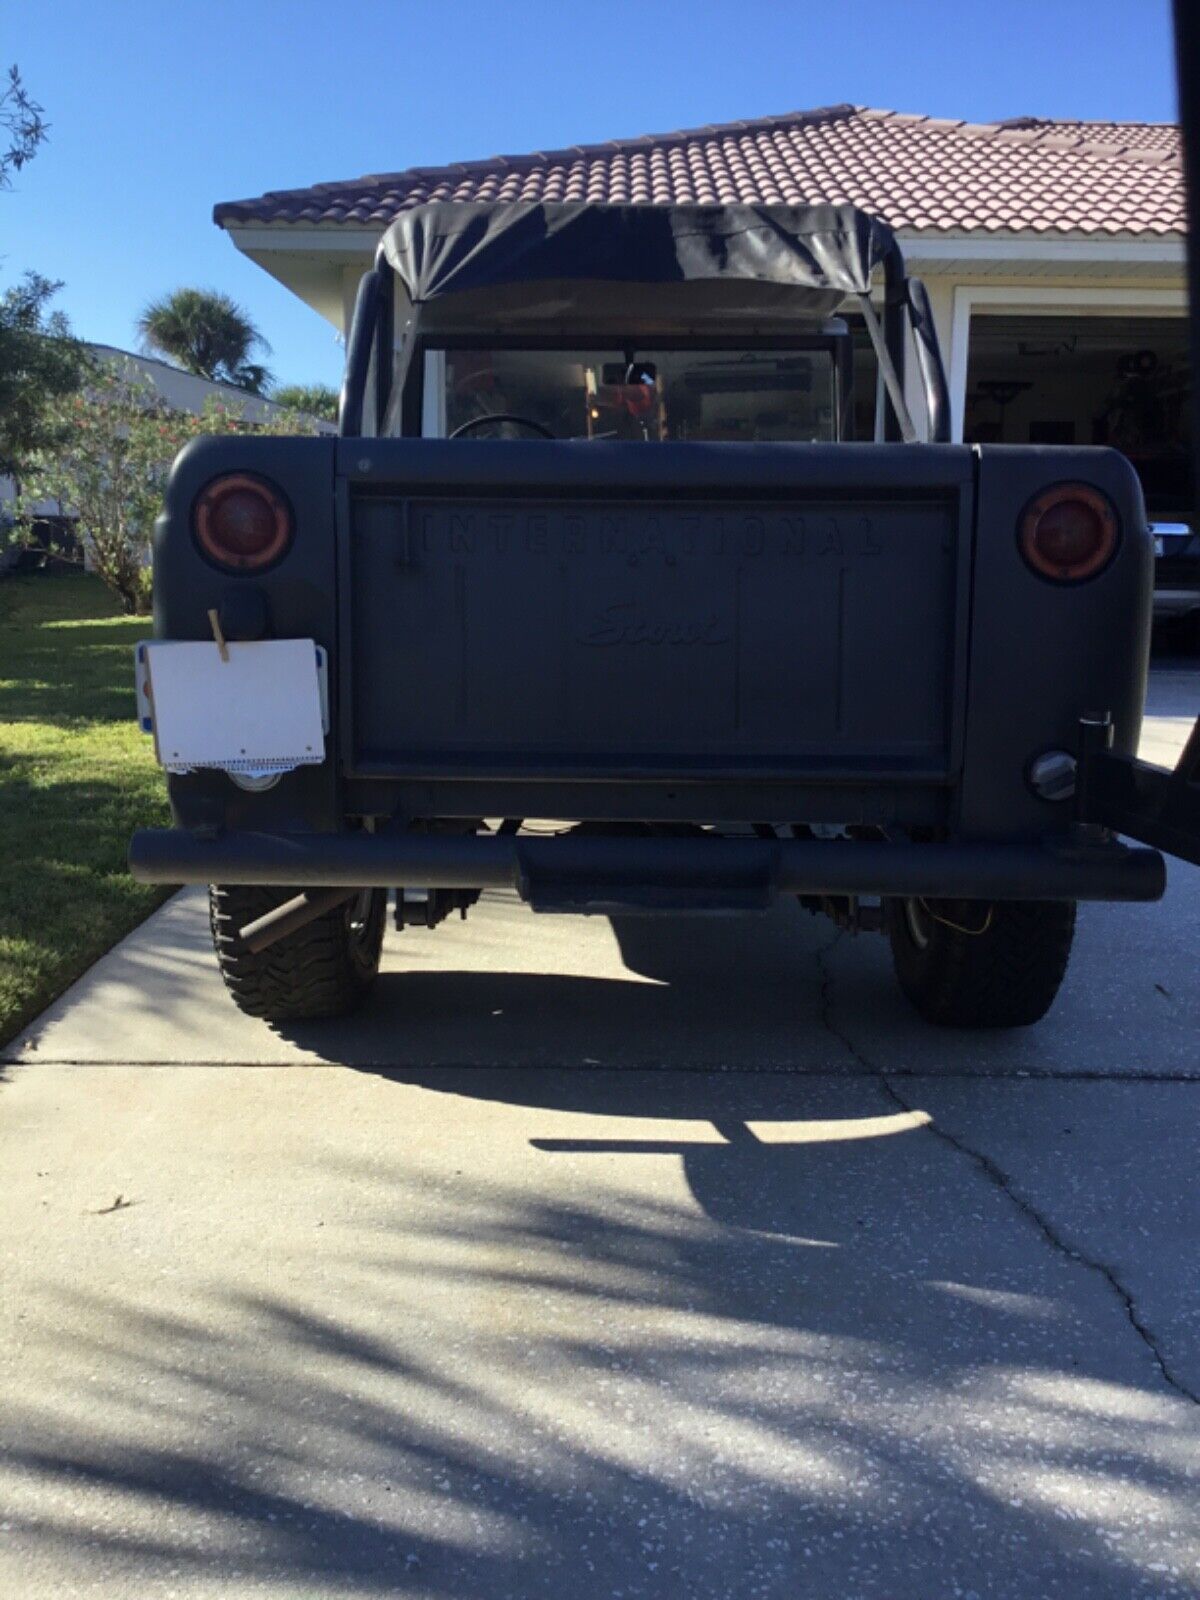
(336, 239)
(1017, 300)
(1027, 248)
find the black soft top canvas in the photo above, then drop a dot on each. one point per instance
(818, 255)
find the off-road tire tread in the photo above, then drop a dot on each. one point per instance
(315, 972)
(1007, 977)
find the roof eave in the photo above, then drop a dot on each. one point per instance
(1144, 248)
(927, 244)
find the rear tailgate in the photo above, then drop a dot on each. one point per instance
(524, 608)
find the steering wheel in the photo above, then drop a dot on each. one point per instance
(500, 416)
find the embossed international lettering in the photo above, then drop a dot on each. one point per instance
(634, 535)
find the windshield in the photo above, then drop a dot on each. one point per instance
(738, 395)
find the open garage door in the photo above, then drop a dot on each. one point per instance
(1108, 380)
(1104, 380)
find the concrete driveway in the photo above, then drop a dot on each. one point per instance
(608, 1259)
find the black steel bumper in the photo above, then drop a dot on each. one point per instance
(591, 873)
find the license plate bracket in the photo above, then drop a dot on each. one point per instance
(261, 707)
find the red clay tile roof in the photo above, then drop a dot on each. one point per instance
(915, 172)
(1125, 136)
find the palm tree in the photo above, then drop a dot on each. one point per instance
(207, 333)
(314, 399)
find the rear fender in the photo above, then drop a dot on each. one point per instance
(300, 593)
(1042, 653)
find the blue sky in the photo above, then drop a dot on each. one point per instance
(160, 109)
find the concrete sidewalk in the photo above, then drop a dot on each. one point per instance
(460, 1300)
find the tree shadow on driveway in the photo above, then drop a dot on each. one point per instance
(469, 1330)
(792, 1345)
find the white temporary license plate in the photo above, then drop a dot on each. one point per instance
(263, 707)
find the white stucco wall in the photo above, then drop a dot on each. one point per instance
(184, 391)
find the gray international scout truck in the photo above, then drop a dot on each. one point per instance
(595, 598)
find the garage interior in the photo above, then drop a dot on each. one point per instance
(1110, 380)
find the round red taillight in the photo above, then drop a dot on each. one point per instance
(1068, 532)
(242, 523)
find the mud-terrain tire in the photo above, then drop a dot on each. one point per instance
(968, 964)
(322, 970)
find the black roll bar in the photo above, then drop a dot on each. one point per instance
(371, 295)
(929, 361)
(906, 305)
(385, 328)
(895, 310)
(898, 422)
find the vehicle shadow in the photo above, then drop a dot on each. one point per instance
(689, 992)
(778, 992)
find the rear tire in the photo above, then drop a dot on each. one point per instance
(999, 966)
(322, 970)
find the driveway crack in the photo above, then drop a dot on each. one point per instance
(998, 1178)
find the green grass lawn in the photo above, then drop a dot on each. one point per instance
(76, 778)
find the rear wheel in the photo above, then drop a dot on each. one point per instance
(322, 970)
(971, 964)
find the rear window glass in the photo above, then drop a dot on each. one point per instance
(715, 395)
